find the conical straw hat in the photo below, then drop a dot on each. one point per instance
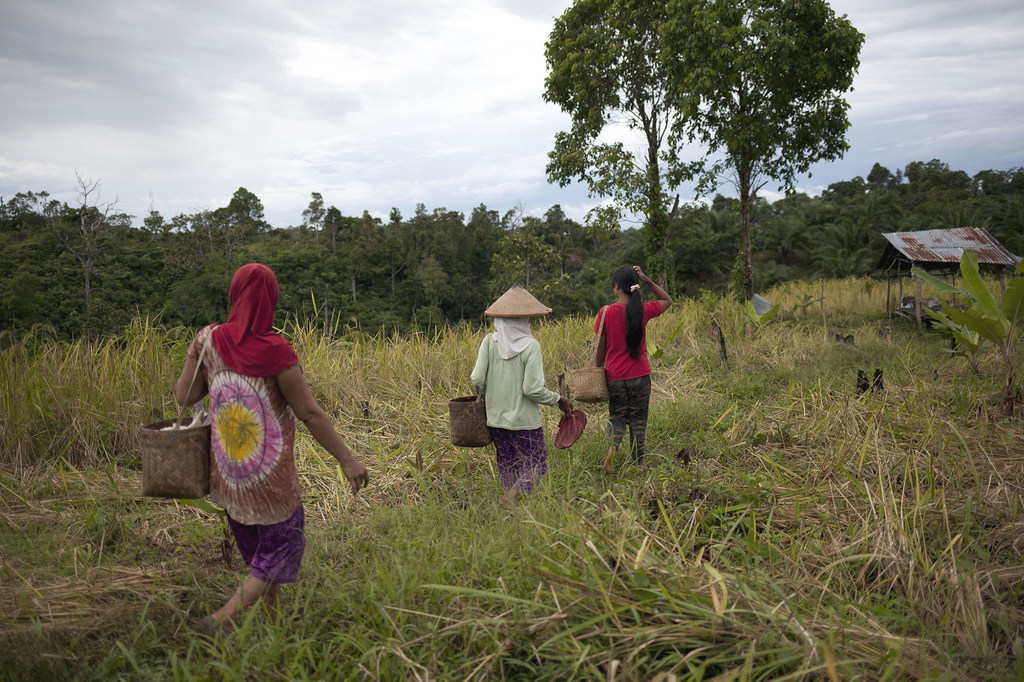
(517, 302)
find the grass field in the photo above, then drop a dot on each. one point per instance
(783, 527)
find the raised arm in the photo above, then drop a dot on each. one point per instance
(293, 386)
(662, 295)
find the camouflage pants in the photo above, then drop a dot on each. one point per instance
(628, 401)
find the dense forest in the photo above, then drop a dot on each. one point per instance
(84, 268)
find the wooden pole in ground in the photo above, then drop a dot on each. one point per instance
(888, 294)
(822, 302)
(899, 276)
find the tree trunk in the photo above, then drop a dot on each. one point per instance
(657, 238)
(88, 290)
(745, 201)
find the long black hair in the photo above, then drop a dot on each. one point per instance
(627, 278)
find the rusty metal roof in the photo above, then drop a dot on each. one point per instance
(944, 247)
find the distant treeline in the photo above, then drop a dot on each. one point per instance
(84, 268)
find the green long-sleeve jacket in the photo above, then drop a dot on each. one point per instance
(514, 389)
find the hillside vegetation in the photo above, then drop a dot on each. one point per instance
(84, 269)
(785, 526)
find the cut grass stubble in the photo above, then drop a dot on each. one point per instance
(809, 532)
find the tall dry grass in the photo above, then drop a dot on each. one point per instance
(808, 533)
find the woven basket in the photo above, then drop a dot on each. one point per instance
(469, 422)
(175, 462)
(590, 385)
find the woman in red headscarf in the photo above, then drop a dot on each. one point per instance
(257, 391)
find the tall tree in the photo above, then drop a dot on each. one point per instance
(239, 223)
(604, 66)
(314, 214)
(82, 230)
(759, 83)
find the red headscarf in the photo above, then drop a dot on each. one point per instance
(247, 342)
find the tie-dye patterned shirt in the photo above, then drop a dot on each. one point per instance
(252, 467)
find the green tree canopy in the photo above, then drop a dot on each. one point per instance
(760, 84)
(604, 68)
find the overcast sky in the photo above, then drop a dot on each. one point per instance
(391, 103)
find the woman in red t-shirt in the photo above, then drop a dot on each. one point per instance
(627, 368)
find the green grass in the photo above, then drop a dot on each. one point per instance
(813, 533)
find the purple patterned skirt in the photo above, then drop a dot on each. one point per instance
(522, 457)
(273, 552)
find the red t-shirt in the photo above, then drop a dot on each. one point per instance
(617, 363)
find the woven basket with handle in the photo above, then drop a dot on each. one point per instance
(468, 421)
(176, 459)
(590, 385)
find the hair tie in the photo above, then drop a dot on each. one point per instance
(633, 288)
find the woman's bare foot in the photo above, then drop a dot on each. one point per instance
(213, 629)
(609, 461)
(509, 498)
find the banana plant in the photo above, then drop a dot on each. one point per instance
(655, 351)
(760, 321)
(804, 300)
(985, 323)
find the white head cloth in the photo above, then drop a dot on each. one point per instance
(512, 334)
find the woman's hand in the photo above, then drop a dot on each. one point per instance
(357, 475)
(296, 392)
(565, 405)
(662, 295)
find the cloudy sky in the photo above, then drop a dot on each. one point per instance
(390, 103)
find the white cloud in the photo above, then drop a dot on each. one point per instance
(397, 102)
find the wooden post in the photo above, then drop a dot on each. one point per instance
(1002, 280)
(899, 275)
(888, 294)
(723, 354)
(822, 302)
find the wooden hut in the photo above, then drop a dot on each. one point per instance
(940, 249)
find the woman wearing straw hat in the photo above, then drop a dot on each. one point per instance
(509, 373)
(626, 366)
(257, 391)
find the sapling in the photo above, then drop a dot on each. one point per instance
(757, 320)
(984, 322)
(804, 300)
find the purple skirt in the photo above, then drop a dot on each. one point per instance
(522, 457)
(273, 552)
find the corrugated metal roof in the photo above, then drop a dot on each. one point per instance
(947, 246)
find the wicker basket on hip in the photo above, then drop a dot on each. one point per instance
(590, 385)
